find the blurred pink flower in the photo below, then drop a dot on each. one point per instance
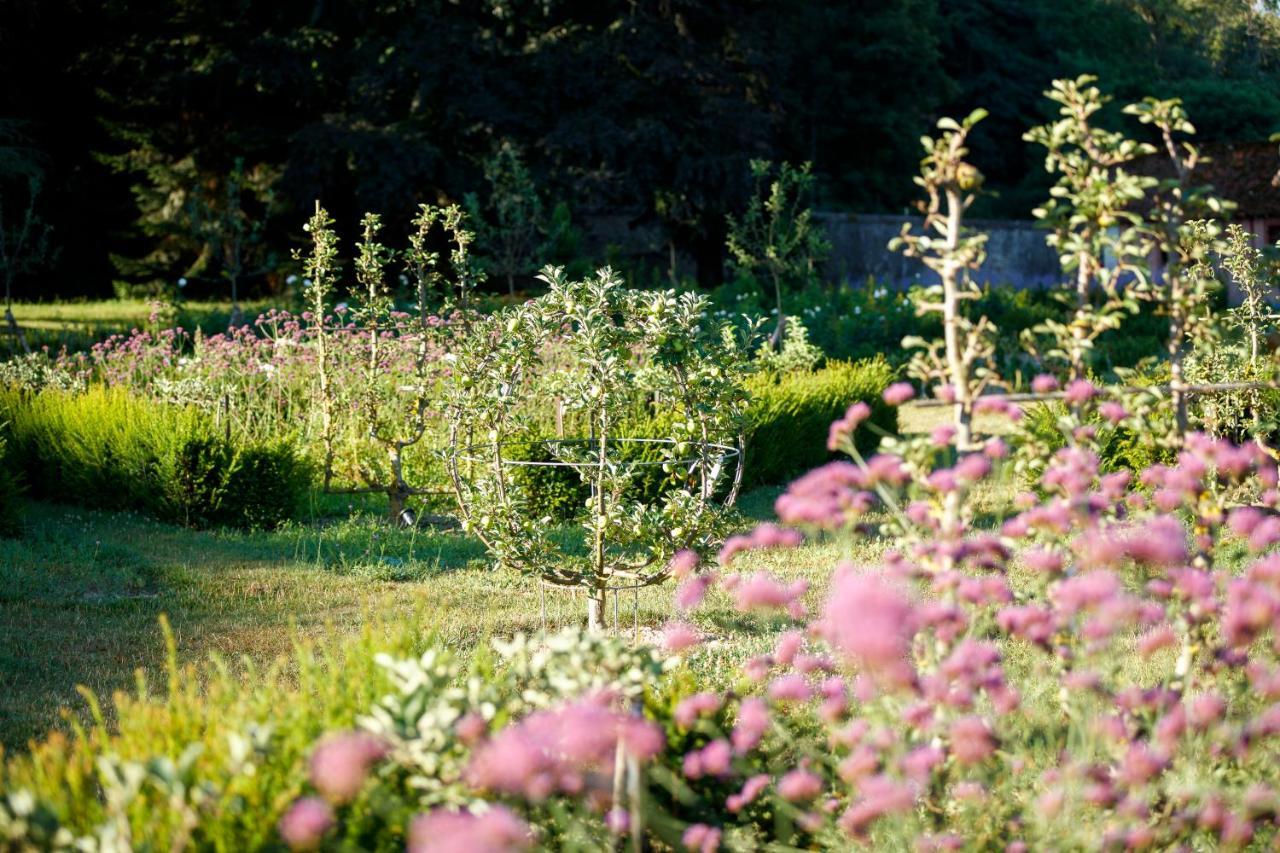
(304, 825)
(679, 636)
(341, 763)
(971, 740)
(700, 838)
(898, 393)
(496, 830)
(872, 622)
(800, 785)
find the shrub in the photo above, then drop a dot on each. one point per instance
(109, 449)
(789, 416)
(10, 490)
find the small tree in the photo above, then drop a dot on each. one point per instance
(231, 238)
(1096, 222)
(960, 362)
(618, 347)
(510, 226)
(776, 237)
(1186, 238)
(367, 426)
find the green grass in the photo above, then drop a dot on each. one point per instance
(82, 592)
(77, 325)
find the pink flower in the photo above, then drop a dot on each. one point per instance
(1160, 637)
(305, 823)
(750, 790)
(873, 623)
(971, 740)
(714, 759)
(683, 564)
(1205, 710)
(679, 636)
(788, 644)
(697, 705)
(1141, 764)
(701, 838)
(898, 393)
(1044, 384)
(790, 688)
(618, 820)
(341, 762)
(842, 429)
(1113, 411)
(1080, 391)
(920, 762)
(761, 592)
(880, 795)
(753, 722)
(497, 830)
(471, 728)
(799, 785)
(691, 593)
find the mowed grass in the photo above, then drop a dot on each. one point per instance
(82, 592)
(78, 325)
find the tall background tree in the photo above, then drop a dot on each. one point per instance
(652, 110)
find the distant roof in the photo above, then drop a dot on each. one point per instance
(1247, 173)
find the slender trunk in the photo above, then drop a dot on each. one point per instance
(596, 594)
(951, 327)
(511, 283)
(780, 329)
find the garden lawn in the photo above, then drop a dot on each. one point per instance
(81, 595)
(78, 325)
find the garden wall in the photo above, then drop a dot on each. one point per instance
(1016, 250)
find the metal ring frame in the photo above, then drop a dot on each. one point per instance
(726, 453)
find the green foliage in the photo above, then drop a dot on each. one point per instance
(513, 231)
(553, 491)
(598, 350)
(789, 416)
(776, 238)
(109, 449)
(1044, 426)
(11, 489)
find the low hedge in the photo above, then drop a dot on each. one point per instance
(790, 415)
(786, 434)
(108, 449)
(10, 489)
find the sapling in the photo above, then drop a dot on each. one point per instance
(620, 346)
(388, 412)
(510, 225)
(959, 364)
(1096, 228)
(776, 236)
(1185, 239)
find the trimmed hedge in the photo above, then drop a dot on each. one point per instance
(10, 489)
(108, 449)
(790, 415)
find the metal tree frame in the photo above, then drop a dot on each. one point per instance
(622, 341)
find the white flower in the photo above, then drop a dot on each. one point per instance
(182, 282)
(292, 279)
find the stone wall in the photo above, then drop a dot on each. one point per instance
(1016, 251)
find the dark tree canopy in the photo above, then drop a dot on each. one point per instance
(653, 108)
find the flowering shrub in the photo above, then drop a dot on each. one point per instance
(1091, 675)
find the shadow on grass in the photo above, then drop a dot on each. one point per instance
(82, 591)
